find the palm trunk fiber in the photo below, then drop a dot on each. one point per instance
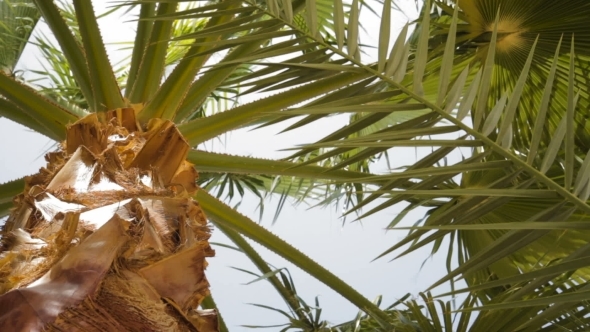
(107, 236)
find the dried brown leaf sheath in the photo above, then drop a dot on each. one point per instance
(107, 236)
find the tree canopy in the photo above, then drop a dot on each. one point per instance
(503, 83)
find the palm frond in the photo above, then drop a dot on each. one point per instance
(18, 18)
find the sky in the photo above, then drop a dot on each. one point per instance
(346, 250)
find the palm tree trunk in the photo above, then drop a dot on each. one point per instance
(107, 236)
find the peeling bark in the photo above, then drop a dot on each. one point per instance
(107, 236)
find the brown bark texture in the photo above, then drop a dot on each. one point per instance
(107, 237)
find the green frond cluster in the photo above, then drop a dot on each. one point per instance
(494, 95)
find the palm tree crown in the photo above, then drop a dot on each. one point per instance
(504, 79)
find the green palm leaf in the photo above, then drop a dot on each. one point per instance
(524, 146)
(18, 18)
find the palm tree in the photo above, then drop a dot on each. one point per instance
(112, 234)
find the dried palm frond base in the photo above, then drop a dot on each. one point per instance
(107, 237)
